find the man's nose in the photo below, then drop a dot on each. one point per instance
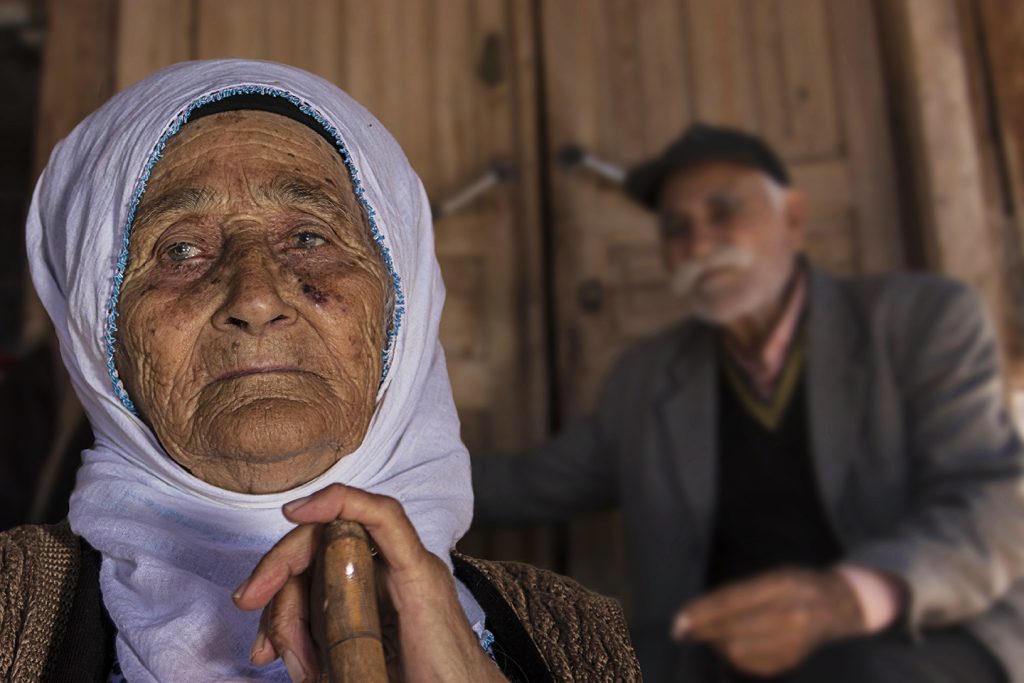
(703, 240)
(254, 303)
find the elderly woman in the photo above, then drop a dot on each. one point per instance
(238, 261)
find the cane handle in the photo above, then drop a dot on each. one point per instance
(352, 640)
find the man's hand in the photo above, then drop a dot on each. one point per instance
(434, 639)
(770, 624)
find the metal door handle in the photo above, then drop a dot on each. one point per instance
(495, 174)
(575, 156)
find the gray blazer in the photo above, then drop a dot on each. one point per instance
(920, 469)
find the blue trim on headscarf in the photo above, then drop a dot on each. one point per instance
(183, 118)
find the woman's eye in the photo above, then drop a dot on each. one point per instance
(182, 251)
(308, 240)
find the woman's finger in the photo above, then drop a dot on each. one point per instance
(290, 556)
(287, 630)
(384, 518)
(262, 651)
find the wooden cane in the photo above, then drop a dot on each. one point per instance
(354, 652)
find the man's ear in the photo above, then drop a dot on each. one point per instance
(795, 212)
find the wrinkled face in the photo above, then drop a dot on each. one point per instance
(730, 236)
(252, 309)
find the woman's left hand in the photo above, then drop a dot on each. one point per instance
(435, 641)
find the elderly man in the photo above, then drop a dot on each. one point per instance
(818, 478)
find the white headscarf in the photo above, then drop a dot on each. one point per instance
(174, 546)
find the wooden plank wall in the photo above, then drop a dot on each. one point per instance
(927, 41)
(995, 57)
(956, 68)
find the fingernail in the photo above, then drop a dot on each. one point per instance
(681, 627)
(294, 666)
(296, 504)
(258, 645)
(241, 589)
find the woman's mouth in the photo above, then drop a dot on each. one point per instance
(256, 370)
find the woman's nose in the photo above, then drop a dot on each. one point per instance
(254, 303)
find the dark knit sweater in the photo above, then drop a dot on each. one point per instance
(769, 513)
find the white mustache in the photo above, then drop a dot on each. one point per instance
(686, 275)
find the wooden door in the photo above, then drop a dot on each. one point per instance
(622, 79)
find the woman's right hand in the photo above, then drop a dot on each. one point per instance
(434, 639)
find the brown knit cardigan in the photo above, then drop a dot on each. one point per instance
(53, 626)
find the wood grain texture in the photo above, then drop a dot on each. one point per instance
(152, 34)
(302, 33)
(864, 115)
(998, 76)
(721, 54)
(1002, 28)
(793, 78)
(926, 40)
(78, 67)
(351, 620)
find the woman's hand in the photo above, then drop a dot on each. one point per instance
(434, 639)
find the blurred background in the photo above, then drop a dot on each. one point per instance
(902, 119)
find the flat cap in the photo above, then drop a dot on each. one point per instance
(701, 144)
